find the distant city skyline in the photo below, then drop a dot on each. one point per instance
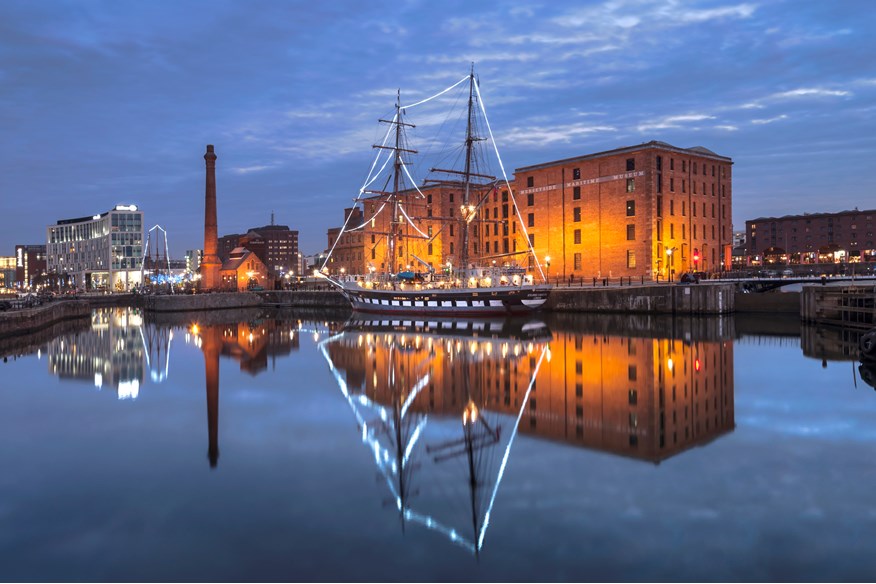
(106, 103)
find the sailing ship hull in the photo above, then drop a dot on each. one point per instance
(449, 302)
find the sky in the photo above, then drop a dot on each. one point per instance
(113, 102)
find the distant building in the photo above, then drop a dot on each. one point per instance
(101, 252)
(193, 260)
(242, 270)
(354, 249)
(7, 271)
(846, 236)
(30, 265)
(275, 245)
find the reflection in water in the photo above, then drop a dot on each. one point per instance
(419, 395)
(110, 352)
(441, 397)
(248, 342)
(118, 347)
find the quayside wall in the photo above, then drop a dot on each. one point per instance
(29, 320)
(693, 299)
(195, 302)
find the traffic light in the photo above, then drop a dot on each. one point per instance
(696, 256)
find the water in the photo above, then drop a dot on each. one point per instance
(282, 446)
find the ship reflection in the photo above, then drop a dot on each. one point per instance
(420, 394)
(440, 403)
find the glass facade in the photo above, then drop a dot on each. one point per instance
(103, 252)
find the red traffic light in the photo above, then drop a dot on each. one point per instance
(696, 255)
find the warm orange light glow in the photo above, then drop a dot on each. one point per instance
(697, 364)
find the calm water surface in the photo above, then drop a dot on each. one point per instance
(280, 446)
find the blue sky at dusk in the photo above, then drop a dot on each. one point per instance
(113, 102)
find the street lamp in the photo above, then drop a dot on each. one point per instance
(547, 262)
(669, 263)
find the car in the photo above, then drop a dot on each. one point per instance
(5, 305)
(787, 273)
(689, 278)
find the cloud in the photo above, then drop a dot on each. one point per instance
(809, 92)
(673, 122)
(250, 169)
(770, 120)
(720, 13)
(547, 135)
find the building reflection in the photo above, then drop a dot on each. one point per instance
(110, 352)
(648, 397)
(250, 339)
(438, 391)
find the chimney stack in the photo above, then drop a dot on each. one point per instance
(210, 265)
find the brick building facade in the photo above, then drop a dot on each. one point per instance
(642, 211)
(846, 236)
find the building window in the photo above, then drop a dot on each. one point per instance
(576, 214)
(577, 236)
(631, 259)
(451, 197)
(530, 181)
(631, 373)
(576, 193)
(577, 260)
(429, 199)
(660, 206)
(671, 206)
(532, 239)
(430, 249)
(530, 200)
(671, 164)
(671, 185)
(631, 208)
(631, 232)
(672, 231)
(633, 397)
(631, 185)
(694, 167)
(576, 174)
(530, 220)
(631, 164)
(659, 163)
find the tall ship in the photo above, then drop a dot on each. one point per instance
(454, 245)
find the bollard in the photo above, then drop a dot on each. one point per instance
(594, 281)
(604, 282)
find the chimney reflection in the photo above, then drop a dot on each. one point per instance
(250, 343)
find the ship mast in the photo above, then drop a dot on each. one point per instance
(395, 223)
(469, 148)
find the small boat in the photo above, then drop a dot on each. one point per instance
(466, 277)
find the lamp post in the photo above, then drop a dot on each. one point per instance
(669, 275)
(547, 262)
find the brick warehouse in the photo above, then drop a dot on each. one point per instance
(649, 210)
(652, 210)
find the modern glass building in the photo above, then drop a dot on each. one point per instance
(101, 252)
